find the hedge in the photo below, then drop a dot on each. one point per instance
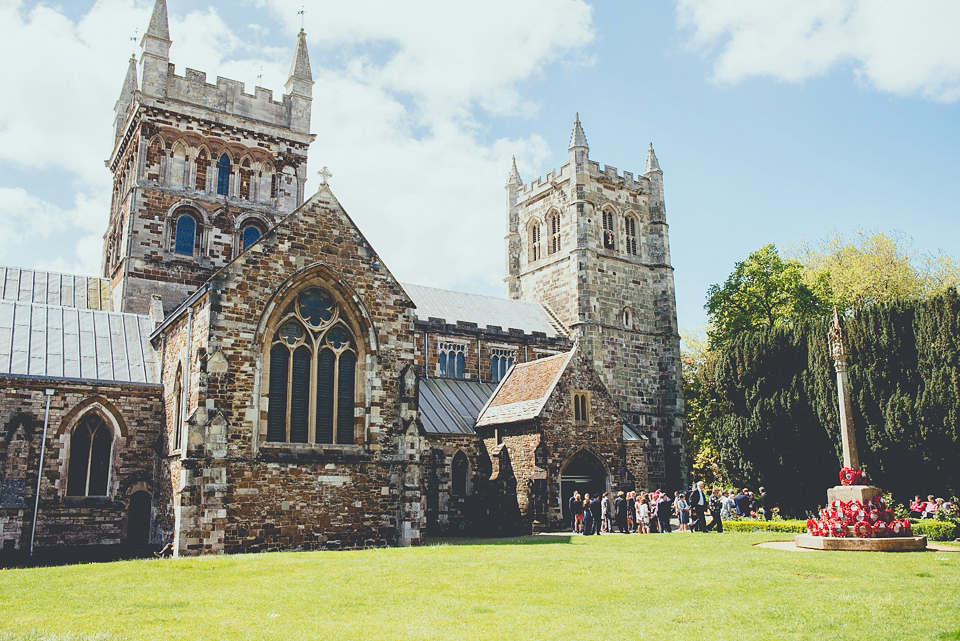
(932, 529)
(792, 526)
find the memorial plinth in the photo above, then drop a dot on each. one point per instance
(892, 544)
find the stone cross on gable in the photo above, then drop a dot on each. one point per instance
(840, 353)
(325, 176)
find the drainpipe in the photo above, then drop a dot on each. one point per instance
(43, 447)
(186, 387)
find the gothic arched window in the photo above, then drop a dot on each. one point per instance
(186, 234)
(535, 242)
(312, 380)
(631, 235)
(223, 175)
(553, 221)
(500, 363)
(458, 476)
(89, 464)
(249, 234)
(608, 229)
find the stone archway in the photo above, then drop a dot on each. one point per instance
(583, 473)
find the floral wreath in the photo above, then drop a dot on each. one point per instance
(850, 476)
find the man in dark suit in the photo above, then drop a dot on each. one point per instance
(698, 499)
(596, 509)
(766, 504)
(742, 501)
(664, 509)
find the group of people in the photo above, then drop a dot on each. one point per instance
(929, 509)
(652, 512)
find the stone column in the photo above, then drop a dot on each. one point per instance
(840, 354)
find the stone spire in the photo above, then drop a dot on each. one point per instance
(300, 81)
(159, 27)
(577, 137)
(652, 163)
(514, 177)
(126, 96)
(155, 52)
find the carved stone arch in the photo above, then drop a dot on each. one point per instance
(156, 152)
(245, 171)
(323, 275)
(114, 418)
(19, 421)
(114, 422)
(203, 162)
(177, 168)
(586, 450)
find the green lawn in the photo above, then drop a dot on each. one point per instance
(690, 586)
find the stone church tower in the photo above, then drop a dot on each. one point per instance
(592, 245)
(200, 171)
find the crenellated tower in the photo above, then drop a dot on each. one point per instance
(592, 244)
(200, 170)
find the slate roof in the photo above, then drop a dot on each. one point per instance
(524, 391)
(485, 311)
(70, 343)
(451, 406)
(51, 288)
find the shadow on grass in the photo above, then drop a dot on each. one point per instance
(514, 540)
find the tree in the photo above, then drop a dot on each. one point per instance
(697, 366)
(763, 291)
(874, 268)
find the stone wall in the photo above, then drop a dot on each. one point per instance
(130, 410)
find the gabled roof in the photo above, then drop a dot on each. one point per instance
(451, 406)
(51, 288)
(524, 390)
(485, 311)
(58, 342)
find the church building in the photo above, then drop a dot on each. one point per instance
(247, 374)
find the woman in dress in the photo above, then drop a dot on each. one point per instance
(682, 511)
(643, 514)
(587, 515)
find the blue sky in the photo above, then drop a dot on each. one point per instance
(774, 121)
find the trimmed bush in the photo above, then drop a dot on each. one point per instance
(934, 530)
(793, 527)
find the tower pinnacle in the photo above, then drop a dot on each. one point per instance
(652, 163)
(513, 178)
(159, 27)
(577, 137)
(300, 81)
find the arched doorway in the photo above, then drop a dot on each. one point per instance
(585, 474)
(138, 520)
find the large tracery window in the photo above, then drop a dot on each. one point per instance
(313, 365)
(89, 466)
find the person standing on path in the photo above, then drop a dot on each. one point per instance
(572, 508)
(716, 511)
(766, 504)
(607, 513)
(596, 509)
(664, 505)
(587, 516)
(620, 512)
(698, 505)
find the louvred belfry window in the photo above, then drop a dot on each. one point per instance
(313, 355)
(631, 235)
(554, 222)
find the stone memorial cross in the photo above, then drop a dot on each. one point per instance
(840, 353)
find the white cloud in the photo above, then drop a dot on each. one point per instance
(904, 48)
(403, 95)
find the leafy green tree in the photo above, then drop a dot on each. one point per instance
(874, 268)
(763, 291)
(697, 366)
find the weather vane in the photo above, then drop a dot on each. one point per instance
(302, 13)
(134, 37)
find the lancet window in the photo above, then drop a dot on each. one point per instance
(500, 363)
(88, 472)
(608, 227)
(631, 235)
(535, 242)
(223, 175)
(451, 360)
(186, 240)
(312, 379)
(554, 223)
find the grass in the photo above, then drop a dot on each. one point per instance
(693, 585)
